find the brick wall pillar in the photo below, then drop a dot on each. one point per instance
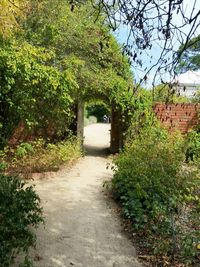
(116, 130)
(80, 120)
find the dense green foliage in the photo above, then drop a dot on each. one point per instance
(39, 156)
(10, 13)
(55, 60)
(190, 57)
(192, 143)
(32, 91)
(20, 211)
(158, 190)
(86, 47)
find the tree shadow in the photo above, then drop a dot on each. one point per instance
(96, 151)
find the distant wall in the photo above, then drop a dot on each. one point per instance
(180, 117)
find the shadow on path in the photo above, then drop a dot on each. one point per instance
(82, 228)
(96, 151)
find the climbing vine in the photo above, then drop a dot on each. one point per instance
(53, 62)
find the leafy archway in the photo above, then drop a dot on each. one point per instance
(90, 52)
(58, 61)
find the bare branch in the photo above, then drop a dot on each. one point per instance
(151, 23)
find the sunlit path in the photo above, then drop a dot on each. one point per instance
(81, 228)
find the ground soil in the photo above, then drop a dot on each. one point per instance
(81, 227)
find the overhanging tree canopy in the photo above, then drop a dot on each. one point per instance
(58, 58)
(154, 27)
(88, 48)
(190, 58)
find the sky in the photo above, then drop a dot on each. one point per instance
(122, 34)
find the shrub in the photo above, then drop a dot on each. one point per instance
(39, 156)
(19, 211)
(23, 149)
(192, 143)
(145, 176)
(28, 82)
(153, 185)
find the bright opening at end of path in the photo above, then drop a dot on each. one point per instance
(97, 137)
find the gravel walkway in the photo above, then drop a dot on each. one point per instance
(81, 228)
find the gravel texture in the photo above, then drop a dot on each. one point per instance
(81, 229)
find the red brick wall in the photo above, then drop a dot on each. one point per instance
(22, 134)
(180, 117)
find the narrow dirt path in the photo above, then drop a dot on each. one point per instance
(81, 229)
